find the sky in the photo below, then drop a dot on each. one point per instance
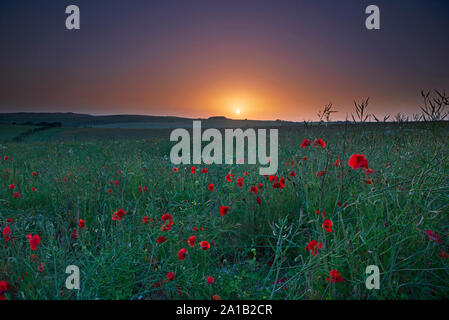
(273, 59)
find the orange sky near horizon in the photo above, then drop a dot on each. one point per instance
(270, 60)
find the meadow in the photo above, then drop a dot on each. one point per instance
(140, 228)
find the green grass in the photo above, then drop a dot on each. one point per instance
(257, 251)
(8, 132)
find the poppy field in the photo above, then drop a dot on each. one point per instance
(344, 197)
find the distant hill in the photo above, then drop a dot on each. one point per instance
(76, 120)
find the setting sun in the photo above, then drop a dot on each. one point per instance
(237, 111)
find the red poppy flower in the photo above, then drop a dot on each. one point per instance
(337, 163)
(254, 190)
(259, 201)
(5, 157)
(182, 253)
(319, 143)
(169, 222)
(224, 210)
(7, 233)
(282, 182)
(166, 217)
(191, 241)
(433, 236)
(74, 234)
(211, 187)
(161, 240)
(3, 288)
(305, 143)
(82, 224)
(175, 169)
(192, 170)
(313, 247)
(34, 241)
(34, 174)
(327, 225)
(16, 195)
(334, 276)
(118, 215)
(204, 170)
(204, 245)
(292, 174)
(171, 276)
(210, 280)
(215, 297)
(11, 187)
(240, 182)
(260, 185)
(229, 177)
(357, 161)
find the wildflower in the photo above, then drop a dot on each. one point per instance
(215, 297)
(171, 276)
(11, 187)
(191, 241)
(211, 187)
(41, 267)
(229, 177)
(204, 170)
(319, 142)
(74, 234)
(204, 245)
(175, 169)
(169, 222)
(327, 225)
(82, 224)
(357, 161)
(282, 182)
(210, 280)
(240, 182)
(118, 215)
(192, 170)
(334, 276)
(337, 163)
(16, 195)
(224, 210)
(313, 247)
(161, 239)
(254, 190)
(3, 287)
(182, 253)
(305, 143)
(292, 174)
(433, 236)
(34, 241)
(7, 233)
